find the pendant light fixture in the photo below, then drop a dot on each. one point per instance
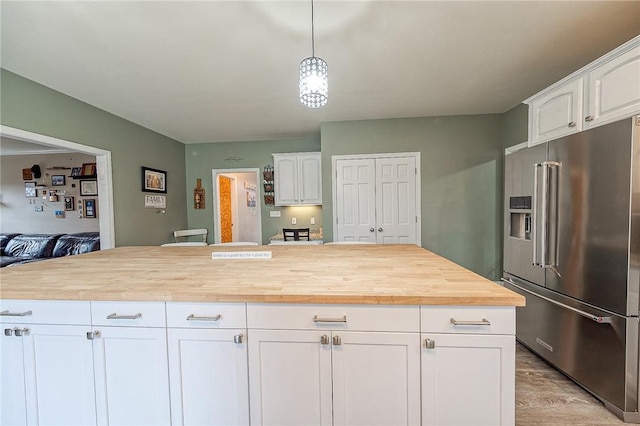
(314, 85)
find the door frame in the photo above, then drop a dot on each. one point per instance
(104, 176)
(216, 207)
(418, 194)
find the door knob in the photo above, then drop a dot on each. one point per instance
(379, 229)
(371, 230)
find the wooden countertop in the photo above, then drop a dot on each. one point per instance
(338, 274)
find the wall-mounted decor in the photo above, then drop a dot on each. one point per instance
(58, 180)
(154, 180)
(198, 195)
(53, 196)
(251, 199)
(59, 214)
(155, 201)
(88, 169)
(89, 208)
(26, 174)
(88, 187)
(69, 203)
(30, 189)
(267, 176)
(76, 171)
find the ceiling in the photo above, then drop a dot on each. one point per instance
(217, 71)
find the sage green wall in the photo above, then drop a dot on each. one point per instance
(30, 106)
(515, 125)
(461, 171)
(201, 159)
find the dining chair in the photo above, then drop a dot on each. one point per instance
(335, 243)
(296, 234)
(293, 243)
(185, 244)
(182, 236)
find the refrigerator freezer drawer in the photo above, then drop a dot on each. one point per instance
(600, 356)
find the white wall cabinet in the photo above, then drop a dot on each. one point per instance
(208, 364)
(297, 179)
(606, 90)
(47, 369)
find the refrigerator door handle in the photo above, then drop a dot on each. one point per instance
(545, 220)
(550, 262)
(534, 227)
(598, 319)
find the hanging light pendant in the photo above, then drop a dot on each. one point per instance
(314, 85)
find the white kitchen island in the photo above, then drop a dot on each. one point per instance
(326, 335)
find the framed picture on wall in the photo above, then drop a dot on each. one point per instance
(154, 180)
(30, 189)
(88, 187)
(89, 208)
(69, 203)
(58, 180)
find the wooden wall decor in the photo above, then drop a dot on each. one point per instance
(26, 174)
(267, 176)
(198, 195)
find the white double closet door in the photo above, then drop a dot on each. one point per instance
(377, 199)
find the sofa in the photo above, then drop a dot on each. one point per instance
(18, 249)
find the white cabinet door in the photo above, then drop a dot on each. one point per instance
(208, 374)
(289, 378)
(376, 200)
(310, 178)
(613, 90)
(285, 179)
(557, 114)
(396, 200)
(59, 375)
(47, 376)
(132, 385)
(356, 200)
(13, 408)
(476, 369)
(376, 379)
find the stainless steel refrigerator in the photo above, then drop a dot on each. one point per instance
(572, 248)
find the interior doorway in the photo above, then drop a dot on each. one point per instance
(236, 205)
(104, 176)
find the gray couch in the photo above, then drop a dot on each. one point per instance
(18, 249)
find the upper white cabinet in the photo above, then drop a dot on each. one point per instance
(613, 89)
(297, 179)
(606, 90)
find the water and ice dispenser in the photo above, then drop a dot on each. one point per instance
(520, 217)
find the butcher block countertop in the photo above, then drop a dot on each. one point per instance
(336, 274)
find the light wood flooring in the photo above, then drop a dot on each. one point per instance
(545, 396)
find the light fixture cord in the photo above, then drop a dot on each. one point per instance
(313, 43)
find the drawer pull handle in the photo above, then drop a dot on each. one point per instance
(124, 317)
(483, 322)
(192, 317)
(343, 319)
(15, 314)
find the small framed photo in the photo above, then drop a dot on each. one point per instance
(89, 208)
(88, 169)
(88, 187)
(76, 171)
(30, 189)
(58, 180)
(154, 180)
(69, 203)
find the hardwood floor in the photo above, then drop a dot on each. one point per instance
(545, 396)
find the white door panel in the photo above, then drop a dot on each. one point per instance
(355, 200)
(396, 200)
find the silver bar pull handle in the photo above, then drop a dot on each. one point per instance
(124, 317)
(429, 343)
(343, 319)
(15, 314)
(596, 318)
(483, 322)
(192, 317)
(545, 225)
(534, 227)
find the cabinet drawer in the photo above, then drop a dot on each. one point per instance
(45, 312)
(334, 317)
(471, 319)
(128, 314)
(206, 315)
